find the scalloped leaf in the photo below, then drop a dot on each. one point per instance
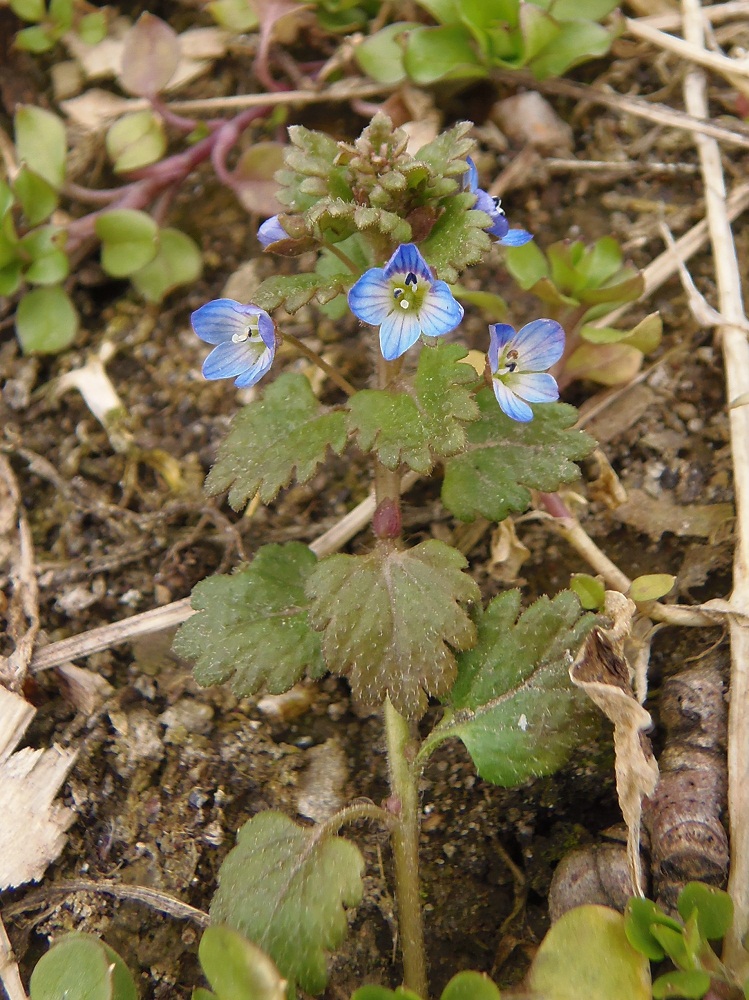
(513, 704)
(506, 459)
(251, 628)
(288, 431)
(391, 620)
(285, 888)
(295, 290)
(446, 154)
(424, 426)
(458, 239)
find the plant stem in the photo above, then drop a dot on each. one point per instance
(405, 840)
(343, 257)
(336, 376)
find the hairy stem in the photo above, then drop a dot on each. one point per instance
(405, 839)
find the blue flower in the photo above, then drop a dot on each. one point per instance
(271, 231)
(518, 363)
(499, 227)
(245, 339)
(404, 300)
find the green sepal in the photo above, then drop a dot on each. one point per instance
(237, 969)
(458, 239)
(505, 459)
(392, 619)
(251, 628)
(422, 426)
(311, 154)
(288, 431)
(296, 290)
(690, 984)
(285, 888)
(513, 704)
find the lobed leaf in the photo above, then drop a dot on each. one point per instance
(513, 704)
(251, 628)
(288, 431)
(285, 888)
(392, 619)
(424, 425)
(505, 459)
(458, 239)
(296, 290)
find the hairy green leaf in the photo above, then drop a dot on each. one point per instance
(513, 704)
(458, 239)
(285, 888)
(251, 628)
(295, 290)
(391, 620)
(506, 459)
(425, 424)
(238, 969)
(288, 431)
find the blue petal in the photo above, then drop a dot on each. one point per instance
(470, 180)
(254, 374)
(371, 298)
(500, 334)
(271, 231)
(440, 311)
(228, 360)
(398, 332)
(515, 238)
(408, 259)
(511, 404)
(539, 344)
(536, 387)
(219, 320)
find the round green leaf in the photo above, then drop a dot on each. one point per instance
(177, 262)
(470, 986)
(234, 15)
(651, 587)
(586, 954)
(36, 196)
(590, 589)
(77, 966)
(129, 240)
(135, 140)
(237, 968)
(28, 10)
(640, 917)
(714, 909)
(46, 321)
(381, 55)
(41, 142)
(34, 39)
(92, 28)
(689, 984)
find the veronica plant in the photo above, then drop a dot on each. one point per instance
(403, 622)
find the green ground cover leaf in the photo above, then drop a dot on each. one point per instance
(251, 628)
(237, 969)
(424, 425)
(285, 888)
(458, 239)
(506, 459)
(288, 431)
(82, 966)
(513, 704)
(41, 143)
(293, 291)
(392, 619)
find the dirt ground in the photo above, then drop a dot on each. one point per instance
(166, 771)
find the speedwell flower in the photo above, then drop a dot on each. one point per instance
(404, 300)
(518, 363)
(245, 339)
(271, 231)
(499, 227)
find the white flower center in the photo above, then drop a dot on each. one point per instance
(250, 332)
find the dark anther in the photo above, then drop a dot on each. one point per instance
(410, 278)
(511, 366)
(397, 293)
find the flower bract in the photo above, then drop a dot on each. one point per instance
(244, 339)
(404, 300)
(271, 231)
(518, 363)
(500, 227)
